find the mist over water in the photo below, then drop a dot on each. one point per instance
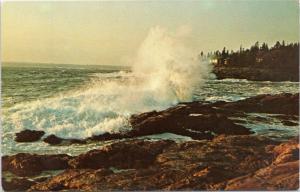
(169, 69)
(165, 72)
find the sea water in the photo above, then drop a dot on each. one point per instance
(81, 101)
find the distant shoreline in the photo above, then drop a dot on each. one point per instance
(255, 74)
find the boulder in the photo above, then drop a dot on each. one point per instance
(24, 164)
(53, 140)
(29, 136)
(124, 155)
(289, 123)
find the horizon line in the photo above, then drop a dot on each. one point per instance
(50, 63)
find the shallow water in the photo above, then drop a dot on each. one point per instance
(79, 102)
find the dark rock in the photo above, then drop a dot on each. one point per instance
(24, 164)
(17, 184)
(255, 73)
(29, 136)
(182, 121)
(77, 141)
(285, 103)
(129, 154)
(289, 123)
(53, 140)
(108, 136)
(287, 117)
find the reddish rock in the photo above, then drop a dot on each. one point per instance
(83, 179)
(24, 164)
(288, 151)
(284, 176)
(29, 136)
(226, 162)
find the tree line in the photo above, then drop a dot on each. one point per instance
(281, 56)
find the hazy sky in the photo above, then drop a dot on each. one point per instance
(106, 32)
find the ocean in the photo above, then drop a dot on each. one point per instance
(77, 101)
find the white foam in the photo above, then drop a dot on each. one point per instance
(164, 73)
(195, 114)
(167, 136)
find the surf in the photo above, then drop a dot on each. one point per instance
(164, 72)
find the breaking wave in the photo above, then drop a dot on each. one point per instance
(164, 73)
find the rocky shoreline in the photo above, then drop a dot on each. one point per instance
(224, 163)
(223, 155)
(256, 73)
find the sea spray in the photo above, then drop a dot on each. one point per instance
(168, 67)
(164, 73)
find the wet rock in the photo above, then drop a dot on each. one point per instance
(285, 103)
(53, 140)
(195, 120)
(108, 136)
(17, 184)
(203, 121)
(124, 155)
(289, 123)
(76, 141)
(181, 121)
(287, 117)
(24, 164)
(29, 136)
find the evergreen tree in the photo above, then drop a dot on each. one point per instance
(277, 45)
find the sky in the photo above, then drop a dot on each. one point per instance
(110, 32)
